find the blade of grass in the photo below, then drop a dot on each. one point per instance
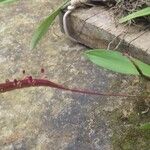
(140, 13)
(112, 60)
(144, 68)
(44, 26)
(7, 1)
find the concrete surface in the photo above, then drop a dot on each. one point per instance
(50, 119)
(96, 27)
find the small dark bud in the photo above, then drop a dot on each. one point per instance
(42, 70)
(23, 71)
(30, 79)
(15, 81)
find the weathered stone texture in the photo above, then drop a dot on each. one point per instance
(97, 27)
(45, 118)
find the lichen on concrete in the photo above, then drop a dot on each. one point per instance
(49, 119)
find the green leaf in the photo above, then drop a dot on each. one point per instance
(144, 68)
(145, 126)
(44, 26)
(7, 1)
(112, 60)
(140, 13)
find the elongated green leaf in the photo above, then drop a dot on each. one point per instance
(144, 68)
(140, 13)
(112, 60)
(7, 1)
(145, 126)
(44, 26)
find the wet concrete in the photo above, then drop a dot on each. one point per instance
(44, 118)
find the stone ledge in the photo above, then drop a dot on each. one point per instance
(96, 28)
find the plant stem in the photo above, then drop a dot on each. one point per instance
(30, 82)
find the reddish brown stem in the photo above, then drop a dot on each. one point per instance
(29, 82)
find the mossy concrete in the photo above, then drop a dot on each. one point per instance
(49, 119)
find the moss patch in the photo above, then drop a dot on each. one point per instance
(126, 122)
